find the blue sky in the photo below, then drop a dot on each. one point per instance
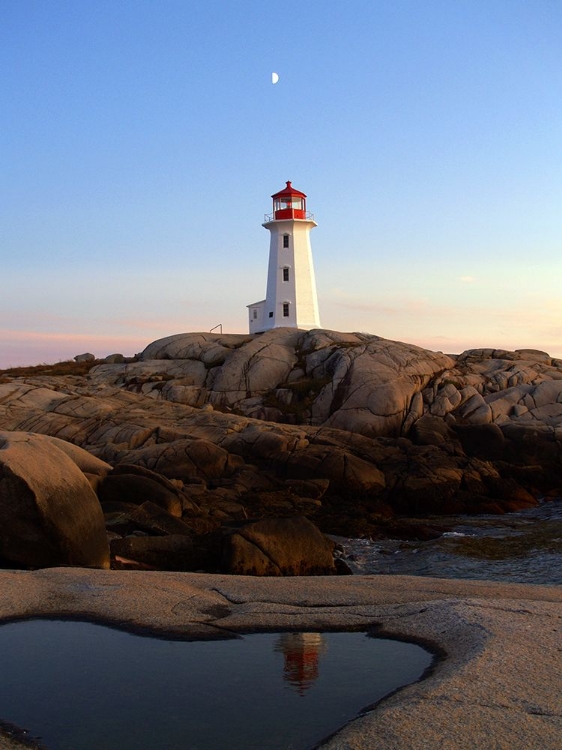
(140, 143)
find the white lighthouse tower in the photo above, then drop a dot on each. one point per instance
(291, 287)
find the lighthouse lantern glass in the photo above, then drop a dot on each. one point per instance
(288, 202)
(289, 207)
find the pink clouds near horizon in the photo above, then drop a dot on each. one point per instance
(24, 348)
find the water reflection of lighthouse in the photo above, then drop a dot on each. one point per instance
(302, 653)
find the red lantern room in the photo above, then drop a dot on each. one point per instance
(289, 204)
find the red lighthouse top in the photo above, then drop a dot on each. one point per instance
(289, 203)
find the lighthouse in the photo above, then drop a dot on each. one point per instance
(291, 298)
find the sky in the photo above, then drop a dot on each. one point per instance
(140, 142)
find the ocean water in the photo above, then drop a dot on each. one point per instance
(524, 547)
(82, 686)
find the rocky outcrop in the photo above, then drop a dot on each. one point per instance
(351, 381)
(49, 514)
(347, 381)
(137, 485)
(350, 430)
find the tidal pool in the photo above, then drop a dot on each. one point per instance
(82, 686)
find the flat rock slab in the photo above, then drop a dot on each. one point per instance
(498, 683)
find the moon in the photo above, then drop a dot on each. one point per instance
(274, 77)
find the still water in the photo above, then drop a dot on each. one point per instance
(81, 686)
(523, 547)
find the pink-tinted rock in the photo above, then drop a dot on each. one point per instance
(49, 514)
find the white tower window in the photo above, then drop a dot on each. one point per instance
(286, 273)
(285, 309)
(285, 240)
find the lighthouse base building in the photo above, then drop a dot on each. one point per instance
(291, 299)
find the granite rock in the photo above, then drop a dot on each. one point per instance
(246, 426)
(278, 547)
(49, 514)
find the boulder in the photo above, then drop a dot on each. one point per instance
(155, 520)
(429, 487)
(86, 357)
(135, 484)
(88, 464)
(485, 441)
(261, 365)
(195, 346)
(278, 547)
(174, 552)
(182, 459)
(94, 469)
(431, 430)
(535, 354)
(312, 488)
(376, 382)
(474, 410)
(49, 514)
(344, 470)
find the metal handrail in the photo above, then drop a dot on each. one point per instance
(269, 217)
(215, 328)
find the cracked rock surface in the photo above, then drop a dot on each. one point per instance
(356, 381)
(495, 684)
(349, 430)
